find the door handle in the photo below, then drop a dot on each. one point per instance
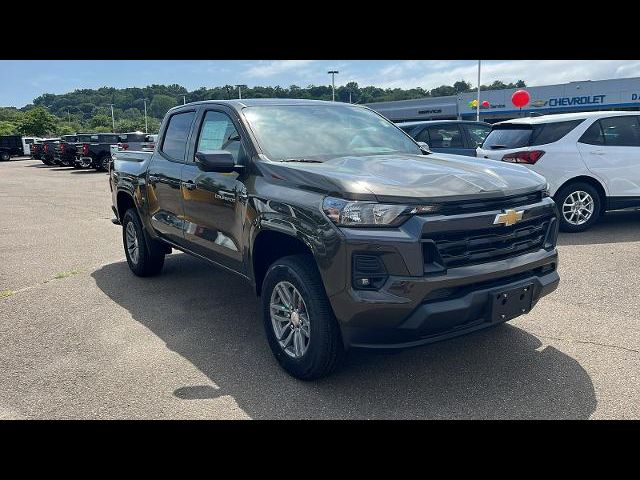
(242, 195)
(599, 152)
(189, 185)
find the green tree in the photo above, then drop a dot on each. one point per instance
(37, 122)
(160, 104)
(461, 86)
(7, 128)
(100, 121)
(129, 125)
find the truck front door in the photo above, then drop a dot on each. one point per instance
(164, 196)
(215, 203)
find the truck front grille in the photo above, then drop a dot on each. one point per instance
(463, 248)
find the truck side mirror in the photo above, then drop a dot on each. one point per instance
(424, 146)
(216, 161)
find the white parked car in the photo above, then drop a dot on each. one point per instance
(591, 160)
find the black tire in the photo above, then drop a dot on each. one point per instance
(103, 163)
(76, 165)
(150, 254)
(565, 192)
(4, 156)
(325, 349)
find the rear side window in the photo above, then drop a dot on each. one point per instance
(108, 139)
(445, 136)
(552, 132)
(133, 137)
(174, 144)
(513, 135)
(478, 133)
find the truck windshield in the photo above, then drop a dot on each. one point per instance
(322, 132)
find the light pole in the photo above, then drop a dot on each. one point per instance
(184, 99)
(146, 125)
(240, 91)
(333, 84)
(113, 119)
(478, 99)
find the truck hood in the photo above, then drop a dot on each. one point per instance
(408, 178)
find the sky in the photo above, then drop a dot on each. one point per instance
(23, 80)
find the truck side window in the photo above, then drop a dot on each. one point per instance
(174, 144)
(219, 133)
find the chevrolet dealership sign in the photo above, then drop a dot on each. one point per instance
(567, 97)
(572, 96)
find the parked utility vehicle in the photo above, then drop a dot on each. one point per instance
(350, 232)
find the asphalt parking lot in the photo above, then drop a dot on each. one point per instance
(82, 337)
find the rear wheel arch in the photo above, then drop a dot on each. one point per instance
(595, 183)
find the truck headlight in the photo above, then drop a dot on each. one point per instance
(370, 214)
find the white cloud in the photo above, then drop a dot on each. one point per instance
(276, 67)
(431, 74)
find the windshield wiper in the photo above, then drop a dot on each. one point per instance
(497, 147)
(301, 160)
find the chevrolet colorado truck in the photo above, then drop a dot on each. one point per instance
(350, 232)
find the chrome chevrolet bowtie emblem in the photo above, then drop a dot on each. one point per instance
(508, 218)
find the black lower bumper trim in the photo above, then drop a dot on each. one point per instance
(439, 320)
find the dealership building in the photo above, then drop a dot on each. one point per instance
(615, 94)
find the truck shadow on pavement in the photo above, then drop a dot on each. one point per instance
(212, 319)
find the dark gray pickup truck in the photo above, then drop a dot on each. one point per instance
(351, 233)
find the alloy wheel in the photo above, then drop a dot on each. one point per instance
(132, 242)
(290, 319)
(578, 208)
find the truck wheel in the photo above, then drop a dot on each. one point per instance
(300, 325)
(144, 256)
(579, 205)
(4, 156)
(103, 163)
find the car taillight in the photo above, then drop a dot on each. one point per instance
(85, 149)
(123, 146)
(62, 148)
(46, 147)
(529, 157)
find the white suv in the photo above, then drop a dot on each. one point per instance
(591, 160)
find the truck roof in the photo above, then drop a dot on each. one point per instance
(238, 104)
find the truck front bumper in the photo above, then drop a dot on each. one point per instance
(422, 299)
(417, 312)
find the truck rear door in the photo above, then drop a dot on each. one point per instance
(164, 196)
